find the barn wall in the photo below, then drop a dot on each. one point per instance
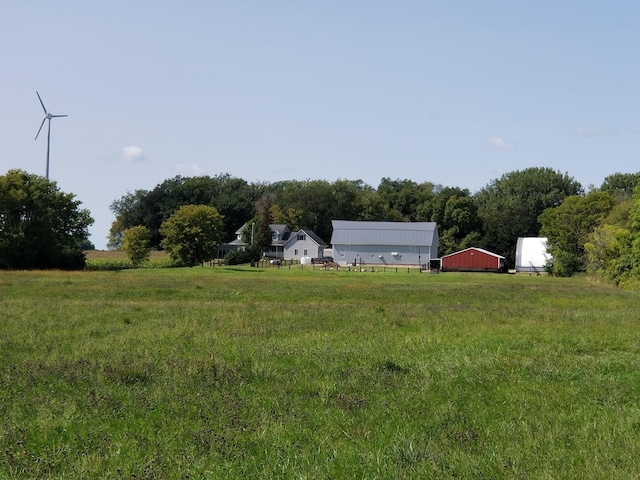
(471, 260)
(381, 254)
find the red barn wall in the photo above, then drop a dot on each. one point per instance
(471, 260)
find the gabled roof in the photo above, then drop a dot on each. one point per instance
(279, 227)
(477, 250)
(383, 233)
(316, 239)
(276, 227)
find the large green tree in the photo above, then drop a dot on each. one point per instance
(613, 251)
(192, 234)
(127, 210)
(621, 185)
(135, 242)
(263, 235)
(403, 197)
(40, 226)
(307, 204)
(232, 197)
(568, 225)
(509, 207)
(456, 214)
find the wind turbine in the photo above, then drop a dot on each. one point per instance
(47, 116)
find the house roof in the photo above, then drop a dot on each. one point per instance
(278, 227)
(317, 240)
(383, 233)
(477, 250)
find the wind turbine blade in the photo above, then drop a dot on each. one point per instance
(45, 110)
(58, 116)
(41, 125)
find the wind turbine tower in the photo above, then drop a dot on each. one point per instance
(47, 116)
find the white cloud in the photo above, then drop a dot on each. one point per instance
(132, 154)
(192, 170)
(588, 132)
(501, 144)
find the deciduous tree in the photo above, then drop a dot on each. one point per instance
(232, 197)
(135, 242)
(621, 185)
(263, 235)
(509, 207)
(192, 234)
(40, 226)
(568, 225)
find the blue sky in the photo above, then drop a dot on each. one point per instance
(453, 92)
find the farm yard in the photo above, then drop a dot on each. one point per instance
(234, 372)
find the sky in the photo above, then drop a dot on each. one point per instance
(454, 92)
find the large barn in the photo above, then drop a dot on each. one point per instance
(384, 243)
(472, 260)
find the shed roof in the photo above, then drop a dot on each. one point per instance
(383, 233)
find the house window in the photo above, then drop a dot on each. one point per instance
(305, 253)
(302, 236)
(295, 252)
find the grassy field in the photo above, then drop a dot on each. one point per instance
(118, 260)
(238, 373)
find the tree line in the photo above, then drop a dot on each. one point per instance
(595, 231)
(536, 201)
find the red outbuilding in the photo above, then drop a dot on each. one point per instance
(472, 260)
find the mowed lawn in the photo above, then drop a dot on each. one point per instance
(238, 373)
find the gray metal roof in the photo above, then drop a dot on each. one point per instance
(383, 233)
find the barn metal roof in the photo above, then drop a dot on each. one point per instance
(383, 233)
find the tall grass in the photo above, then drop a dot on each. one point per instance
(249, 373)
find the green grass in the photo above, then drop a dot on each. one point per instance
(110, 260)
(247, 373)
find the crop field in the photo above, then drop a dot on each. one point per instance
(238, 373)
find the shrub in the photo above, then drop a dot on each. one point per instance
(240, 256)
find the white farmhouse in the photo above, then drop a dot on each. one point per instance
(285, 244)
(303, 243)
